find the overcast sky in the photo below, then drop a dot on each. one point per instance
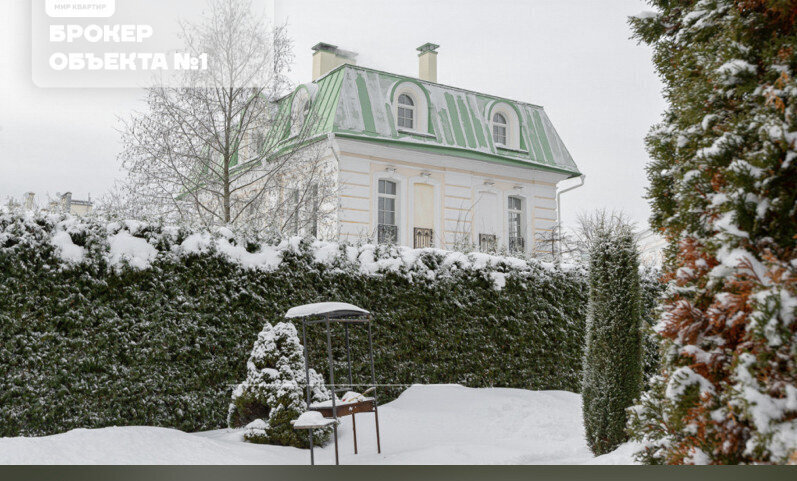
(574, 57)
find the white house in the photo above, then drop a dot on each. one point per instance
(422, 164)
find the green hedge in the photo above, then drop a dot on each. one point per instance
(94, 344)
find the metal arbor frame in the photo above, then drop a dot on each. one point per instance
(342, 317)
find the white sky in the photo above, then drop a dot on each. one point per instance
(574, 57)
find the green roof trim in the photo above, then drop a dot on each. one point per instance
(357, 102)
(453, 151)
(454, 117)
(465, 113)
(365, 105)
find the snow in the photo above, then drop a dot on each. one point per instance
(267, 257)
(67, 250)
(311, 419)
(681, 379)
(321, 308)
(134, 250)
(139, 244)
(427, 424)
(339, 402)
(645, 14)
(731, 70)
(738, 258)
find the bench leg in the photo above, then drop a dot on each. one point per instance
(337, 460)
(354, 427)
(312, 455)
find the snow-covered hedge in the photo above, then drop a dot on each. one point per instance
(130, 324)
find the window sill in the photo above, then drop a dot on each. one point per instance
(510, 149)
(415, 132)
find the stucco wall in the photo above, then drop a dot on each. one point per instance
(462, 191)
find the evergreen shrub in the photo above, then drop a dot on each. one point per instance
(134, 324)
(613, 355)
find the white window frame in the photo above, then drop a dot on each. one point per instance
(409, 107)
(502, 125)
(523, 213)
(512, 125)
(421, 112)
(292, 211)
(400, 200)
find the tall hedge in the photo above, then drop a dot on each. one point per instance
(724, 194)
(613, 356)
(93, 341)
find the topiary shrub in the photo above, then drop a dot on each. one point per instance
(273, 393)
(613, 356)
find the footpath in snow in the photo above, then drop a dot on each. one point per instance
(427, 424)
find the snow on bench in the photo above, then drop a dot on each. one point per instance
(312, 420)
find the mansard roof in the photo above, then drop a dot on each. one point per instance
(356, 102)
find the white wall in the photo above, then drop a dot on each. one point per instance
(470, 195)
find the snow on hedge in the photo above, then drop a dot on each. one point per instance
(138, 245)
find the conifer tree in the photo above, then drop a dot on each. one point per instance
(273, 393)
(723, 188)
(613, 358)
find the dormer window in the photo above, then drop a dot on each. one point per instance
(499, 129)
(410, 105)
(406, 112)
(504, 125)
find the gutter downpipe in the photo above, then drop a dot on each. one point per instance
(559, 193)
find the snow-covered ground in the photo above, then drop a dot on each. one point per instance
(437, 424)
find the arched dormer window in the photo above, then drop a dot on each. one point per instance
(406, 112)
(499, 129)
(504, 126)
(410, 108)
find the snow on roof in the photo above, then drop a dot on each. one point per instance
(355, 101)
(334, 309)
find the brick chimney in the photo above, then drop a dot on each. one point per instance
(328, 57)
(427, 62)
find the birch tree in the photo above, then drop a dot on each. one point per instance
(198, 154)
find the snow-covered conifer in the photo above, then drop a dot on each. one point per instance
(273, 393)
(613, 356)
(724, 190)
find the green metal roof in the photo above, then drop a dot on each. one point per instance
(355, 102)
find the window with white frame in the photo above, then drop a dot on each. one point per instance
(260, 143)
(500, 127)
(488, 242)
(405, 114)
(515, 212)
(314, 210)
(292, 212)
(387, 228)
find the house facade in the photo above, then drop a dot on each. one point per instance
(421, 164)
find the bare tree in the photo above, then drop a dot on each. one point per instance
(591, 223)
(206, 152)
